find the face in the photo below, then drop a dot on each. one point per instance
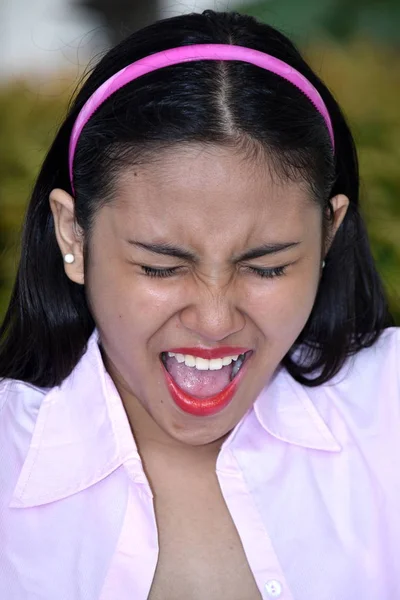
(215, 206)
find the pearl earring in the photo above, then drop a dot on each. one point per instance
(69, 258)
(323, 264)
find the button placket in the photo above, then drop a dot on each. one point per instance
(258, 547)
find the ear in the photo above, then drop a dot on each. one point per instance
(340, 204)
(68, 233)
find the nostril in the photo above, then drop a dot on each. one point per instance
(212, 324)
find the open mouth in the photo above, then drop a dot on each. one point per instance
(201, 377)
(203, 387)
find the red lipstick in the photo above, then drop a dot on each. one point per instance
(210, 353)
(203, 407)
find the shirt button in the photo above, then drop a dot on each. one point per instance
(274, 588)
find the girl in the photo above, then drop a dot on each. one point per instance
(200, 375)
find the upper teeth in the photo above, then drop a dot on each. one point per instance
(203, 364)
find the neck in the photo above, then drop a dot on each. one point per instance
(151, 438)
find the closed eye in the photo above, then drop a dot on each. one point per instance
(152, 272)
(269, 273)
(260, 272)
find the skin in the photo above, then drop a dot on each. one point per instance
(218, 204)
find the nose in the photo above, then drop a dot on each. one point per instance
(212, 314)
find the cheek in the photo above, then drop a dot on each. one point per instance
(281, 308)
(127, 302)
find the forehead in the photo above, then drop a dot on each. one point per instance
(211, 191)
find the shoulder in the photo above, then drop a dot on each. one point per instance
(19, 403)
(364, 396)
(375, 368)
(19, 407)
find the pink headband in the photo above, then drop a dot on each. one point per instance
(183, 54)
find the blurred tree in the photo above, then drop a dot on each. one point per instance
(366, 80)
(28, 122)
(340, 19)
(123, 16)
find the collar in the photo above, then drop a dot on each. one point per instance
(286, 411)
(82, 433)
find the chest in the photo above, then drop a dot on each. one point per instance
(200, 552)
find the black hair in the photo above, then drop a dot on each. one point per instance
(48, 321)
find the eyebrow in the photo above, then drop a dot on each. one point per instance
(179, 252)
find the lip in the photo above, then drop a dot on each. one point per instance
(203, 407)
(210, 353)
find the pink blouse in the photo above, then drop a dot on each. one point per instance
(311, 478)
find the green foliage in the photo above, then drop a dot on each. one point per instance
(340, 19)
(28, 122)
(365, 79)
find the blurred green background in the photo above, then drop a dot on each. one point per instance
(354, 46)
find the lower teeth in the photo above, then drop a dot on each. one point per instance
(237, 366)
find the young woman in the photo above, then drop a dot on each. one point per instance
(200, 376)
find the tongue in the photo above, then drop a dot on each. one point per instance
(200, 384)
